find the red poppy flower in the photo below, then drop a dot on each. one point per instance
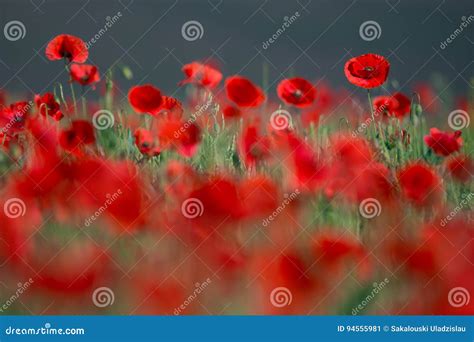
(145, 143)
(253, 146)
(243, 92)
(81, 133)
(180, 135)
(48, 105)
(201, 74)
(12, 118)
(442, 143)
(85, 74)
(231, 112)
(69, 47)
(367, 71)
(297, 92)
(145, 99)
(172, 106)
(461, 168)
(397, 105)
(420, 184)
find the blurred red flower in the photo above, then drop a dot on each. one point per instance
(85, 74)
(461, 168)
(48, 105)
(201, 74)
(145, 99)
(442, 143)
(243, 92)
(81, 133)
(420, 184)
(69, 47)
(145, 143)
(297, 92)
(367, 71)
(397, 105)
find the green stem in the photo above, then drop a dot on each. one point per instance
(371, 107)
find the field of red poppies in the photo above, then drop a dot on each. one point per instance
(313, 200)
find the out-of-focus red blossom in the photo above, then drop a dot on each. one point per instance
(114, 183)
(253, 146)
(442, 143)
(84, 74)
(259, 195)
(397, 105)
(352, 152)
(201, 74)
(73, 139)
(184, 136)
(307, 171)
(310, 116)
(220, 202)
(243, 92)
(69, 47)
(367, 71)
(461, 168)
(423, 261)
(47, 105)
(420, 184)
(75, 270)
(145, 99)
(335, 252)
(297, 92)
(12, 118)
(172, 106)
(145, 143)
(231, 112)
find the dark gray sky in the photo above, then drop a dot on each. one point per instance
(148, 38)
